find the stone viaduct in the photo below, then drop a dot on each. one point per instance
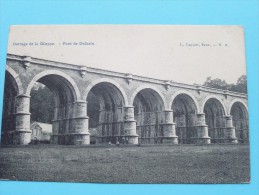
(121, 107)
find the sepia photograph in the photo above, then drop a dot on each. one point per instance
(146, 104)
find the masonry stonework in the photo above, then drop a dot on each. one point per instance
(124, 108)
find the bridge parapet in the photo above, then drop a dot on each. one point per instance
(118, 92)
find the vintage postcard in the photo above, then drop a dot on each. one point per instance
(125, 104)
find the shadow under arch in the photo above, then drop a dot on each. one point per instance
(150, 87)
(213, 97)
(106, 80)
(65, 93)
(195, 103)
(15, 79)
(240, 102)
(215, 113)
(238, 111)
(185, 111)
(149, 108)
(12, 88)
(59, 79)
(106, 102)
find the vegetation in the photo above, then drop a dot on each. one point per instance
(144, 164)
(42, 104)
(240, 86)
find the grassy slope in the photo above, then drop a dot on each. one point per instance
(153, 164)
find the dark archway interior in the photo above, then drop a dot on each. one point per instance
(240, 122)
(42, 112)
(59, 103)
(41, 104)
(8, 117)
(62, 90)
(148, 111)
(184, 116)
(214, 116)
(105, 110)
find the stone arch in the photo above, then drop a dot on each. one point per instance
(184, 92)
(105, 108)
(71, 82)
(239, 112)
(213, 97)
(12, 88)
(215, 113)
(16, 79)
(185, 109)
(149, 106)
(237, 101)
(106, 80)
(136, 91)
(66, 96)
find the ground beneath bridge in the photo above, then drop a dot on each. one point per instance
(112, 164)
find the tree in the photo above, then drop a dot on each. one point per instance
(215, 83)
(240, 86)
(42, 104)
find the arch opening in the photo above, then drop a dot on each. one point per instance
(42, 113)
(105, 110)
(8, 113)
(214, 117)
(149, 116)
(52, 98)
(62, 90)
(185, 112)
(240, 121)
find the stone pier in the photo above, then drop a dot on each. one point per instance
(22, 133)
(169, 128)
(111, 98)
(230, 132)
(201, 128)
(130, 133)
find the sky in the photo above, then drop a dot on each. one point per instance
(185, 54)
